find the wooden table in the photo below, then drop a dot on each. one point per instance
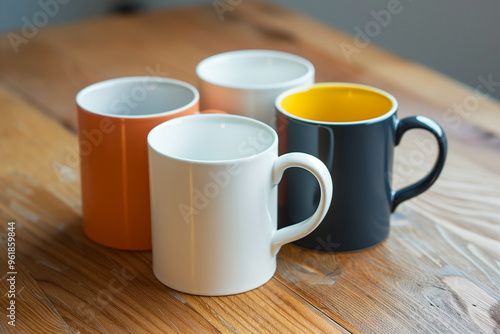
(438, 272)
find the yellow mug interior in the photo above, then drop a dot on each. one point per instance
(337, 103)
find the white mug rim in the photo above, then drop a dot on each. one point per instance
(199, 118)
(258, 53)
(139, 80)
(377, 119)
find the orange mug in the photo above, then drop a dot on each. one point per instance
(114, 119)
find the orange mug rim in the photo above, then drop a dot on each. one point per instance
(139, 79)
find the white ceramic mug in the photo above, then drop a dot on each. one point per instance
(246, 82)
(213, 183)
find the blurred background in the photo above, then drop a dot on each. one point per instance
(459, 38)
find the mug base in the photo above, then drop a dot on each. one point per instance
(336, 247)
(120, 245)
(215, 292)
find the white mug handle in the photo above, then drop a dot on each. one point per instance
(318, 169)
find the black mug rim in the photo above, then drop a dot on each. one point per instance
(289, 92)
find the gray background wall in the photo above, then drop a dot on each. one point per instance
(460, 38)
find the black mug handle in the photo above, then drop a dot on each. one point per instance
(425, 123)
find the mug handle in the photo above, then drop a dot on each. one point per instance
(318, 169)
(425, 123)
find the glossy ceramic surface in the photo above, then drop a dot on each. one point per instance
(358, 152)
(114, 119)
(214, 202)
(246, 82)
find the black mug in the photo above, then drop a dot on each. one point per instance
(353, 129)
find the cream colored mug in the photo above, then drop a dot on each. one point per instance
(246, 82)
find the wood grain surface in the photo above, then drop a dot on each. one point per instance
(438, 272)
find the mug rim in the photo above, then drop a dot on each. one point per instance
(140, 80)
(292, 91)
(199, 118)
(256, 52)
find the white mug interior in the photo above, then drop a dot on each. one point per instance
(137, 97)
(212, 138)
(254, 69)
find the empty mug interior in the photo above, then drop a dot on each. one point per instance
(137, 96)
(253, 69)
(211, 138)
(337, 102)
